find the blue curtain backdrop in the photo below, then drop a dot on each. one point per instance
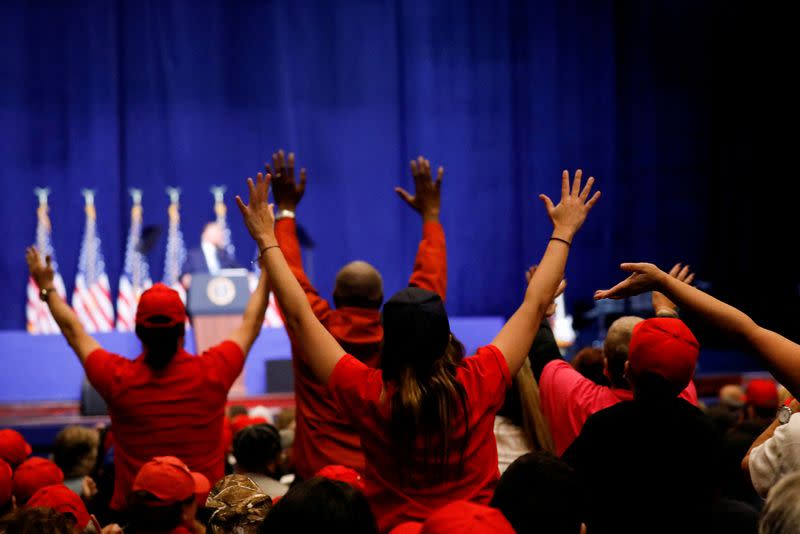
(504, 94)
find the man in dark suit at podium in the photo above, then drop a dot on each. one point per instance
(210, 257)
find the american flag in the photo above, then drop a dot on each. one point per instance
(136, 276)
(39, 318)
(91, 298)
(221, 211)
(176, 250)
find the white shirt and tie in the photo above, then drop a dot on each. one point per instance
(212, 260)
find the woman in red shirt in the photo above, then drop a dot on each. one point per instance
(425, 419)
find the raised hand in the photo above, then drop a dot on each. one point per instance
(42, 273)
(661, 304)
(286, 191)
(257, 214)
(427, 193)
(568, 215)
(645, 277)
(551, 309)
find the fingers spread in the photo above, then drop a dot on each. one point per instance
(548, 204)
(405, 195)
(587, 189)
(593, 200)
(564, 183)
(576, 183)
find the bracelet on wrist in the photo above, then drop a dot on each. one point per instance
(553, 238)
(284, 214)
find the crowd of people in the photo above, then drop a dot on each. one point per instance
(396, 429)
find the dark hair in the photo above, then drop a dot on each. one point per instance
(236, 409)
(321, 505)
(75, 450)
(160, 344)
(427, 398)
(589, 362)
(148, 514)
(540, 493)
(36, 520)
(651, 386)
(255, 446)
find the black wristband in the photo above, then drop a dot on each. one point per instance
(562, 240)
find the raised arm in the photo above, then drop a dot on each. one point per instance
(288, 195)
(662, 306)
(781, 355)
(323, 350)
(253, 318)
(430, 265)
(42, 273)
(515, 338)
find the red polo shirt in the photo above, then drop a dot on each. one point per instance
(357, 389)
(568, 399)
(323, 436)
(178, 411)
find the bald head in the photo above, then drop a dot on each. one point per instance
(358, 284)
(615, 348)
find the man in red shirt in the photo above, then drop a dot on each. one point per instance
(323, 436)
(568, 398)
(166, 402)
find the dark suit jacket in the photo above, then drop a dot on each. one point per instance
(196, 261)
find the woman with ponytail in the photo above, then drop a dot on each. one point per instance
(425, 417)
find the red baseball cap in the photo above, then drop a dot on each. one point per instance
(63, 500)
(762, 393)
(242, 421)
(32, 474)
(466, 517)
(664, 346)
(169, 480)
(6, 482)
(160, 300)
(342, 474)
(13, 447)
(201, 488)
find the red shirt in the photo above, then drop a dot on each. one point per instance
(178, 411)
(357, 390)
(568, 399)
(322, 435)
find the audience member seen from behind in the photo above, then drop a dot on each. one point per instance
(323, 435)
(729, 409)
(36, 521)
(569, 398)
(75, 452)
(540, 493)
(32, 474)
(13, 448)
(460, 517)
(412, 467)
(761, 405)
(237, 505)
(590, 362)
(775, 453)
(257, 449)
(66, 502)
(321, 505)
(781, 513)
(657, 454)
(166, 401)
(163, 497)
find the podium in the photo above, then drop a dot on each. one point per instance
(216, 303)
